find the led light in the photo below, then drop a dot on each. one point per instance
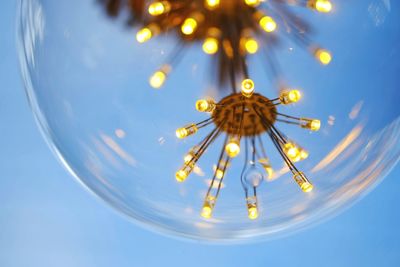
(189, 26)
(323, 56)
(323, 6)
(144, 35)
(233, 147)
(292, 151)
(210, 45)
(219, 174)
(205, 105)
(211, 4)
(186, 131)
(252, 211)
(208, 206)
(268, 24)
(181, 175)
(247, 87)
(251, 45)
(311, 124)
(157, 79)
(159, 8)
(303, 182)
(252, 3)
(288, 97)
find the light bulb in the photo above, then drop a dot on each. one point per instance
(323, 56)
(303, 182)
(233, 147)
(268, 24)
(210, 45)
(290, 96)
(247, 87)
(251, 45)
(252, 3)
(159, 8)
(205, 105)
(186, 131)
(211, 4)
(323, 6)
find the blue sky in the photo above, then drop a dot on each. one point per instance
(47, 219)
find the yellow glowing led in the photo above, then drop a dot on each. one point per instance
(252, 211)
(315, 125)
(251, 46)
(157, 79)
(159, 8)
(323, 56)
(252, 3)
(211, 4)
(210, 45)
(311, 124)
(323, 6)
(186, 131)
(205, 105)
(303, 182)
(181, 175)
(233, 148)
(189, 26)
(206, 211)
(288, 97)
(219, 174)
(247, 87)
(292, 151)
(144, 35)
(268, 24)
(208, 207)
(306, 187)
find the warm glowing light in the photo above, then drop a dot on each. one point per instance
(233, 147)
(303, 182)
(208, 206)
(205, 105)
(323, 6)
(157, 79)
(288, 97)
(252, 211)
(268, 24)
(252, 3)
(292, 151)
(311, 124)
(251, 45)
(247, 87)
(211, 4)
(210, 45)
(323, 56)
(159, 8)
(144, 35)
(219, 174)
(181, 175)
(186, 131)
(189, 26)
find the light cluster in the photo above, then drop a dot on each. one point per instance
(229, 30)
(243, 118)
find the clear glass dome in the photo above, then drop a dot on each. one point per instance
(87, 82)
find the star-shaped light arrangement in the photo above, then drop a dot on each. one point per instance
(243, 118)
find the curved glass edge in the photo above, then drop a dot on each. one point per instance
(24, 17)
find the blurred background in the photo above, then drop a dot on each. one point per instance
(48, 219)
